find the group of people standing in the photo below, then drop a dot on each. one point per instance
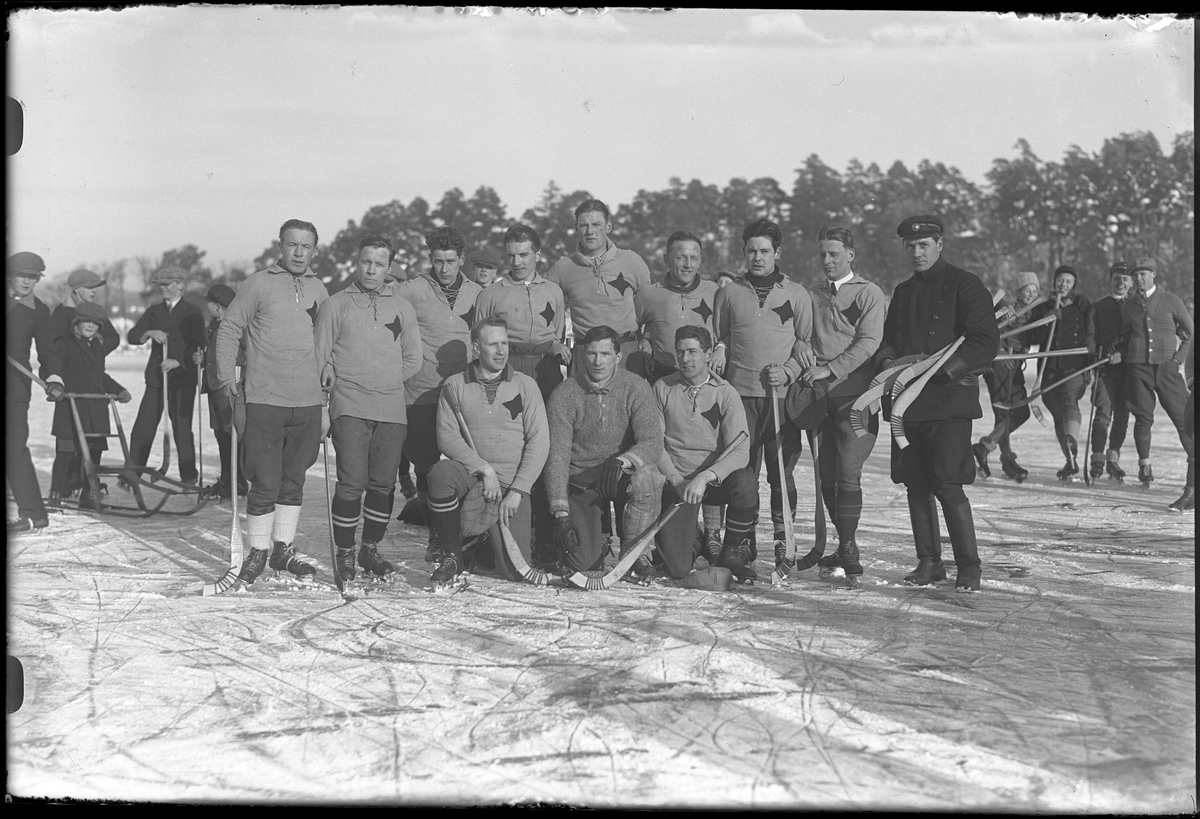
(670, 394)
(1132, 348)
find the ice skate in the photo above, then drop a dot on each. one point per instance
(1012, 469)
(1186, 501)
(371, 562)
(447, 577)
(1096, 466)
(967, 579)
(739, 559)
(830, 566)
(433, 552)
(1113, 466)
(345, 564)
(283, 559)
(1071, 468)
(252, 567)
(1145, 475)
(848, 557)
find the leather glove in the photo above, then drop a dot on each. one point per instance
(238, 405)
(608, 485)
(55, 392)
(125, 397)
(566, 537)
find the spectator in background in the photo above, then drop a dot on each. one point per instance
(176, 328)
(84, 285)
(485, 266)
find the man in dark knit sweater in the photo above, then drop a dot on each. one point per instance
(1103, 333)
(606, 438)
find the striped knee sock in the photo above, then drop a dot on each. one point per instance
(346, 513)
(445, 519)
(377, 509)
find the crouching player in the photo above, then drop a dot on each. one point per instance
(491, 426)
(367, 344)
(606, 438)
(703, 415)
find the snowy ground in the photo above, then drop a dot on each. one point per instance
(1068, 684)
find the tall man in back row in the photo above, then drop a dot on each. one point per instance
(765, 321)
(599, 282)
(286, 418)
(444, 301)
(938, 304)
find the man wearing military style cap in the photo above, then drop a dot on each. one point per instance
(84, 286)
(937, 305)
(1153, 323)
(27, 322)
(176, 327)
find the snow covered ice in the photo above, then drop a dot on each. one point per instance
(1067, 684)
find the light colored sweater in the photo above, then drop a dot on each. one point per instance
(600, 289)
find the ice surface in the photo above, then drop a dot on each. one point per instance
(1067, 684)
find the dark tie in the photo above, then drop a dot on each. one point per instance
(833, 288)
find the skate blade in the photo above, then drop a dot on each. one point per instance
(852, 583)
(447, 589)
(830, 572)
(965, 590)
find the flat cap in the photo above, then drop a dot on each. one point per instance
(918, 227)
(1119, 267)
(486, 257)
(90, 311)
(169, 274)
(1147, 263)
(1065, 269)
(25, 262)
(222, 294)
(807, 405)
(84, 278)
(1027, 278)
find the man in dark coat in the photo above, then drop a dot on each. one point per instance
(27, 321)
(176, 327)
(937, 305)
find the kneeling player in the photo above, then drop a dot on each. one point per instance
(491, 426)
(703, 415)
(606, 438)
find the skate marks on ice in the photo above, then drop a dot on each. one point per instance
(639, 696)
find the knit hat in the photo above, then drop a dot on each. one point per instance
(25, 263)
(1026, 279)
(84, 278)
(1065, 269)
(90, 311)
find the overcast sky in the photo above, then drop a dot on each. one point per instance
(150, 128)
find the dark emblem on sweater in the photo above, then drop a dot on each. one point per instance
(620, 283)
(548, 314)
(394, 326)
(469, 316)
(312, 312)
(852, 313)
(712, 415)
(704, 311)
(514, 406)
(785, 311)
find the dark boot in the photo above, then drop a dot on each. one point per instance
(283, 559)
(447, 571)
(710, 547)
(345, 563)
(848, 557)
(922, 512)
(1012, 469)
(739, 558)
(981, 459)
(1188, 499)
(1113, 465)
(961, 525)
(1145, 474)
(1070, 449)
(252, 567)
(1096, 466)
(372, 562)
